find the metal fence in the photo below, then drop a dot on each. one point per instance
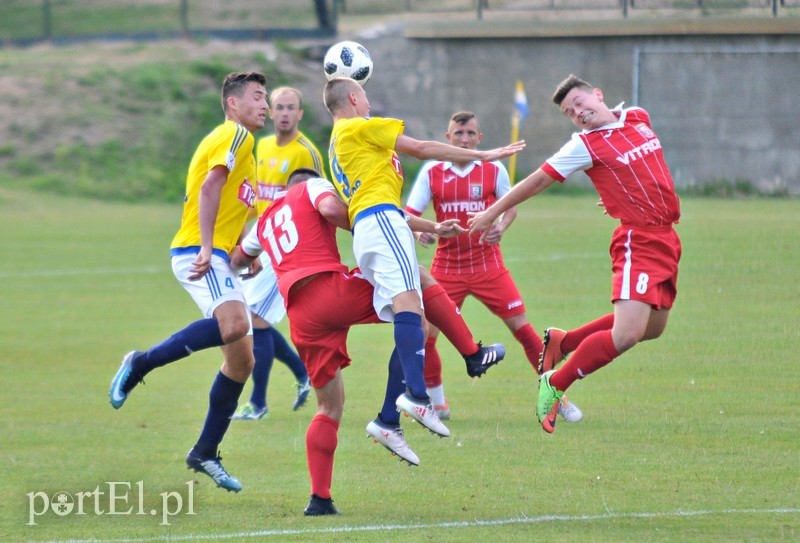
(28, 21)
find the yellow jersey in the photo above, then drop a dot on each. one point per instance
(365, 167)
(229, 145)
(274, 164)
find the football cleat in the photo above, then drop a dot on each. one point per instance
(250, 412)
(394, 440)
(320, 506)
(423, 413)
(303, 390)
(442, 411)
(551, 351)
(569, 411)
(549, 400)
(120, 386)
(485, 358)
(213, 468)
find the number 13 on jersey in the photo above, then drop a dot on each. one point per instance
(281, 233)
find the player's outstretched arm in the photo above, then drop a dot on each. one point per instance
(445, 229)
(435, 150)
(528, 187)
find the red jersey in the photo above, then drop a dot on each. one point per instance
(299, 240)
(626, 164)
(454, 192)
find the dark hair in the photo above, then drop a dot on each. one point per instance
(235, 83)
(301, 174)
(461, 117)
(567, 85)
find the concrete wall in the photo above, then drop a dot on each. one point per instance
(725, 104)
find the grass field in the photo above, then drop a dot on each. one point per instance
(693, 437)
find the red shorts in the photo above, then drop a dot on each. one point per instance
(320, 316)
(495, 289)
(644, 261)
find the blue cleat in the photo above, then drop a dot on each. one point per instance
(117, 393)
(213, 468)
(303, 390)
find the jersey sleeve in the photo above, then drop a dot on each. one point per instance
(420, 196)
(250, 244)
(318, 189)
(503, 184)
(572, 157)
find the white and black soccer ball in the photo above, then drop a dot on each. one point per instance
(348, 59)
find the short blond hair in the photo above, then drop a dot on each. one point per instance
(336, 92)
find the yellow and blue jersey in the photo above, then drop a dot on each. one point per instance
(365, 167)
(274, 164)
(229, 145)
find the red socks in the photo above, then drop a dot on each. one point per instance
(433, 364)
(531, 343)
(575, 337)
(321, 441)
(445, 315)
(592, 354)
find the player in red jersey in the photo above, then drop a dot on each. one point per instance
(621, 154)
(323, 299)
(463, 265)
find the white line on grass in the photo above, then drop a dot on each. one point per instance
(453, 524)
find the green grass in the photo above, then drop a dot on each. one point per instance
(693, 437)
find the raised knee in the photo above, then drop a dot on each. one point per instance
(234, 331)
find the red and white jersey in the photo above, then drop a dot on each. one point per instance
(299, 240)
(454, 192)
(626, 164)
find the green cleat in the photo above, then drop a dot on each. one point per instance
(250, 412)
(549, 400)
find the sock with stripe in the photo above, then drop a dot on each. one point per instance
(593, 353)
(199, 335)
(409, 339)
(576, 336)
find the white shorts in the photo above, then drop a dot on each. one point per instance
(262, 294)
(218, 286)
(383, 246)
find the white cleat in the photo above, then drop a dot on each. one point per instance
(394, 440)
(569, 411)
(423, 413)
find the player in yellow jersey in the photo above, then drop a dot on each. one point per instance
(219, 193)
(277, 156)
(367, 174)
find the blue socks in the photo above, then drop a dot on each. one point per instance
(394, 388)
(409, 340)
(286, 354)
(199, 335)
(222, 400)
(264, 352)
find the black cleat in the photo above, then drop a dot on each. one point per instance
(320, 506)
(485, 358)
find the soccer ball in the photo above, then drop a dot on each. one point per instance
(348, 59)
